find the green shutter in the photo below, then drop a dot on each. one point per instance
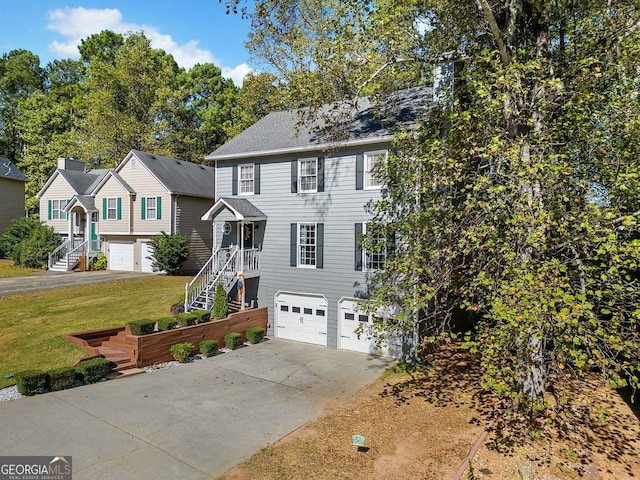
(50, 209)
(104, 208)
(158, 208)
(143, 209)
(119, 215)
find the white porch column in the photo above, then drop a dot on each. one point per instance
(71, 216)
(242, 262)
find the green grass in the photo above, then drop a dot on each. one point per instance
(32, 325)
(7, 270)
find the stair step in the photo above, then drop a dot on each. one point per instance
(125, 366)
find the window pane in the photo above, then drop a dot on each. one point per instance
(308, 175)
(246, 178)
(371, 159)
(307, 244)
(363, 318)
(284, 308)
(151, 208)
(320, 313)
(308, 311)
(295, 309)
(349, 316)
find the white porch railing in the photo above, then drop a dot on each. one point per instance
(59, 253)
(74, 255)
(251, 260)
(207, 274)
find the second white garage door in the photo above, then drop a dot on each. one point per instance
(301, 317)
(146, 257)
(120, 256)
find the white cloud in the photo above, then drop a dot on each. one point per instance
(78, 23)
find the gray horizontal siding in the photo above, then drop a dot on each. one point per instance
(339, 207)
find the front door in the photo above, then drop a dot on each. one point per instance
(248, 236)
(95, 245)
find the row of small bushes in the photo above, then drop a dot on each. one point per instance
(146, 326)
(33, 382)
(208, 348)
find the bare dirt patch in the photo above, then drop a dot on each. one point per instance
(422, 425)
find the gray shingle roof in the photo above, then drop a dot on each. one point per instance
(178, 176)
(279, 132)
(9, 170)
(242, 208)
(82, 183)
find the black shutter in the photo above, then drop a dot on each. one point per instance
(319, 245)
(321, 174)
(391, 242)
(293, 244)
(358, 248)
(359, 171)
(294, 176)
(234, 180)
(256, 178)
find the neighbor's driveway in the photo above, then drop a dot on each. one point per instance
(47, 280)
(193, 421)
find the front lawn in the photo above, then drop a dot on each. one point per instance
(32, 325)
(8, 270)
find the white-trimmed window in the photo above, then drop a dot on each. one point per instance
(150, 208)
(375, 258)
(57, 212)
(112, 208)
(246, 179)
(308, 174)
(307, 242)
(371, 159)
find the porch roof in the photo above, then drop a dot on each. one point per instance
(85, 201)
(241, 208)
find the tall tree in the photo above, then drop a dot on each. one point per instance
(517, 200)
(123, 100)
(20, 76)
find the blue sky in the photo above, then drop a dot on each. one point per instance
(193, 31)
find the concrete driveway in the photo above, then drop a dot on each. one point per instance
(47, 280)
(193, 421)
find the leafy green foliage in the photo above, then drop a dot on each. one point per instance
(203, 316)
(60, 378)
(181, 351)
(167, 323)
(28, 242)
(515, 204)
(232, 340)
(255, 334)
(169, 252)
(94, 370)
(142, 327)
(220, 303)
(31, 382)
(208, 348)
(186, 319)
(99, 262)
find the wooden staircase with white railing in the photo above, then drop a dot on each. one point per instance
(222, 267)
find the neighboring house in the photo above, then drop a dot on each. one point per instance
(290, 213)
(117, 211)
(12, 183)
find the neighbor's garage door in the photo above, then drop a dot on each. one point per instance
(354, 320)
(120, 256)
(301, 317)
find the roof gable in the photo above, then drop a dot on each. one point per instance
(241, 208)
(10, 171)
(111, 174)
(81, 183)
(367, 123)
(177, 176)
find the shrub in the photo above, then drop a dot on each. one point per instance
(203, 316)
(186, 319)
(31, 382)
(220, 303)
(169, 252)
(27, 242)
(255, 334)
(181, 351)
(142, 327)
(60, 378)
(94, 370)
(208, 348)
(167, 323)
(99, 262)
(232, 340)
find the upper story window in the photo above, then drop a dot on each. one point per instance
(307, 245)
(374, 257)
(56, 209)
(371, 177)
(308, 175)
(151, 208)
(112, 208)
(246, 179)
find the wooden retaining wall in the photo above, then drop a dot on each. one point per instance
(154, 348)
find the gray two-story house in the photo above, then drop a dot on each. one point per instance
(290, 213)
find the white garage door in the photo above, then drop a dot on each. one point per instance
(146, 257)
(301, 317)
(353, 321)
(120, 256)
